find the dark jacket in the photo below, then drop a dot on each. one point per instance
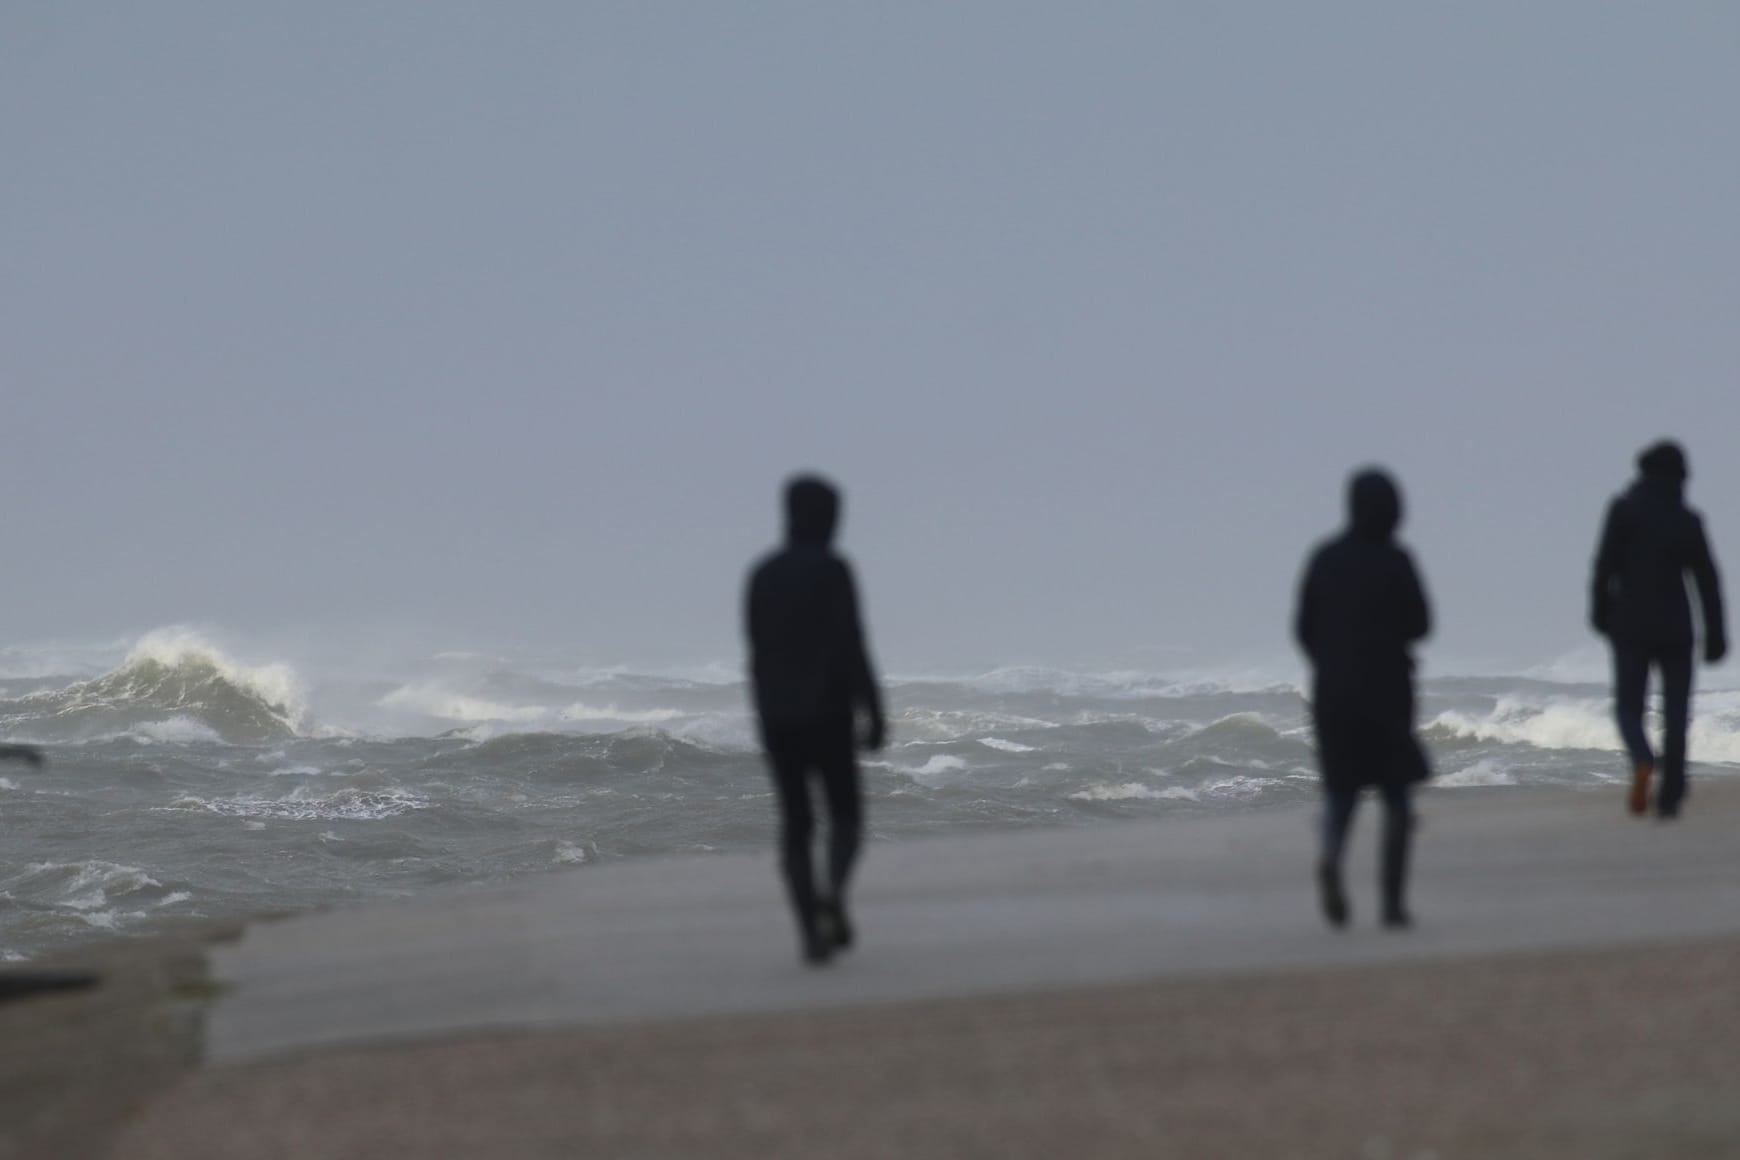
(808, 660)
(1361, 606)
(1650, 541)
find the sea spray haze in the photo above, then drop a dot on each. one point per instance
(184, 782)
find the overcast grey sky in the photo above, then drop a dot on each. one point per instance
(498, 325)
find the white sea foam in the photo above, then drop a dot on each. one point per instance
(85, 887)
(431, 700)
(1127, 684)
(953, 724)
(365, 805)
(580, 711)
(1587, 723)
(174, 731)
(1006, 746)
(1568, 723)
(296, 771)
(935, 769)
(1482, 772)
(1131, 791)
(1239, 786)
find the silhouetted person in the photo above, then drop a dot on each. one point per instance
(813, 681)
(1360, 607)
(1650, 543)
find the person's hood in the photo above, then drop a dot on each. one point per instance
(1661, 470)
(1374, 505)
(812, 511)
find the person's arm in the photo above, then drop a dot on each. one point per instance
(1709, 582)
(1607, 555)
(860, 673)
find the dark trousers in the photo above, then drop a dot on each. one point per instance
(798, 756)
(1673, 662)
(1339, 807)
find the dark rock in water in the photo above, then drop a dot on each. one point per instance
(22, 984)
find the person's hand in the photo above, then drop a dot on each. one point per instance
(876, 736)
(1715, 648)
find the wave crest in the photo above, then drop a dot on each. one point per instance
(172, 680)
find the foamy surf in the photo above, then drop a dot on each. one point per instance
(216, 786)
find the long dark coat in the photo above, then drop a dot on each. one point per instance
(1361, 606)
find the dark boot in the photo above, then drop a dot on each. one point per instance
(1330, 894)
(817, 947)
(832, 922)
(1394, 875)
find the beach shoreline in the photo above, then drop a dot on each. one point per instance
(1136, 990)
(1599, 1053)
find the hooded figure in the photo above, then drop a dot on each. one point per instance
(1650, 543)
(1360, 609)
(812, 679)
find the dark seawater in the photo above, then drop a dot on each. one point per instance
(182, 784)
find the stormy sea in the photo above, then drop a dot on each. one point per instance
(184, 782)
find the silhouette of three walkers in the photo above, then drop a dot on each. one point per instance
(1361, 607)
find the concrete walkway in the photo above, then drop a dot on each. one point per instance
(1497, 871)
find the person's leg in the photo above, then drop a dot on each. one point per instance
(788, 759)
(1339, 806)
(1393, 864)
(1675, 665)
(843, 790)
(1630, 677)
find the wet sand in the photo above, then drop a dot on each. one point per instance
(1632, 1053)
(1577, 996)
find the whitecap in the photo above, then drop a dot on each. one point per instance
(1239, 786)
(938, 763)
(1131, 791)
(1482, 772)
(363, 805)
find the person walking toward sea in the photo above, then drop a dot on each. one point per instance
(1650, 542)
(1361, 607)
(814, 690)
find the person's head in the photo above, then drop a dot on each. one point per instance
(1374, 504)
(812, 510)
(1663, 462)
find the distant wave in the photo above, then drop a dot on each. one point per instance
(173, 686)
(1585, 723)
(1115, 685)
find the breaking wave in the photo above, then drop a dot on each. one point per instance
(1585, 723)
(173, 686)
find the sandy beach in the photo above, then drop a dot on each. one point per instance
(1602, 1054)
(1575, 998)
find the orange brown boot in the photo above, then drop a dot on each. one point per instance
(1640, 775)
